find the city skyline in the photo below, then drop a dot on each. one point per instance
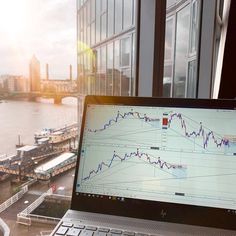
(44, 28)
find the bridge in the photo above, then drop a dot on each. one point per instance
(32, 96)
(56, 89)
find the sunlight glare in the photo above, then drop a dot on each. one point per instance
(13, 18)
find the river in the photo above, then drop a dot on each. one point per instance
(23, 118)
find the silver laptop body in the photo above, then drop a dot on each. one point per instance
(154, 166)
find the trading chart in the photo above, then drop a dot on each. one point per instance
(181, 155)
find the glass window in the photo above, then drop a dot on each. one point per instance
(103, 71)
(116, 73)
(192, 79)
(170, 3)
(181, 55)
(98, 71)
(134, 11)
(104, 5)
(169, 39)
(104, 26)
(118, 16)
(98, 22)
(88, 36)
(125, 51)
(92, 10)
(133, 64)
(126, 82)
(109, 69)
(85, 16)
(88, 12)
(128, 4)
(110, 21)
(81, 20)
(93, 33)
(194, 27)
(167, 80)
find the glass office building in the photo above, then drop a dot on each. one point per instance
(106, 47)
(115, 47)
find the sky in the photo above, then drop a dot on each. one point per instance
(44, 28)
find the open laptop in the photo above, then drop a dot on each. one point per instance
(154, 166)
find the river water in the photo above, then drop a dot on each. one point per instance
(25, 118)
(22, 119)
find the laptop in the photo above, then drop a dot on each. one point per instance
(154, 166)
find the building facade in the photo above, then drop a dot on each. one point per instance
(117, 40)
(34, 74)
(106, 47)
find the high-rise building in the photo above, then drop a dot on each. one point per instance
(120, 44)
(34, 74)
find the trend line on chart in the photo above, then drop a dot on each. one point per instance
(120, 116)
(161, 164)
(201, 132)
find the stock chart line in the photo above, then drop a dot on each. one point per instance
(206, 135)
(120, 116)
(161, 164)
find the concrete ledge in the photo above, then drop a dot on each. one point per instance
(4, 230)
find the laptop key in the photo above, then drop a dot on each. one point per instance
(116, 231)
(106, 230)
(100, 234)
(67, 224)
(93, 228)
(128, 233)
(79, 226)
(73, 232)
(86, 233)
(141, 234)
(62, 230)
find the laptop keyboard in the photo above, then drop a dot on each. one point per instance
(70, 229)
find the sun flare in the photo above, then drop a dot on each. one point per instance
(13, 18)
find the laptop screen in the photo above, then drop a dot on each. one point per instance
(169, 155)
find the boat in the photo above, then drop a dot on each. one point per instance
(61, 136)
(57, 135)
(43, 134)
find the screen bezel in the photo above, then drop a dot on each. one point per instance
(154, 210)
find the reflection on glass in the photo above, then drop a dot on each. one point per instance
(80, 72)
(98, 22)
(182, 39)
(133, 65)
(167, 80)
(98, 70)
(103, 71)
(88, 12)
(104, 26)
(118, 16)
(85, 16)
(92, 33)
(104, 5)
(194, 27)
(88, 36)
(128, 13)
(170, 3)
(116, 72)
(192, 79)
(110, 21)
(169, 39)
(109, 69)
(125, 51)
(92, 10)
(125, 82)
